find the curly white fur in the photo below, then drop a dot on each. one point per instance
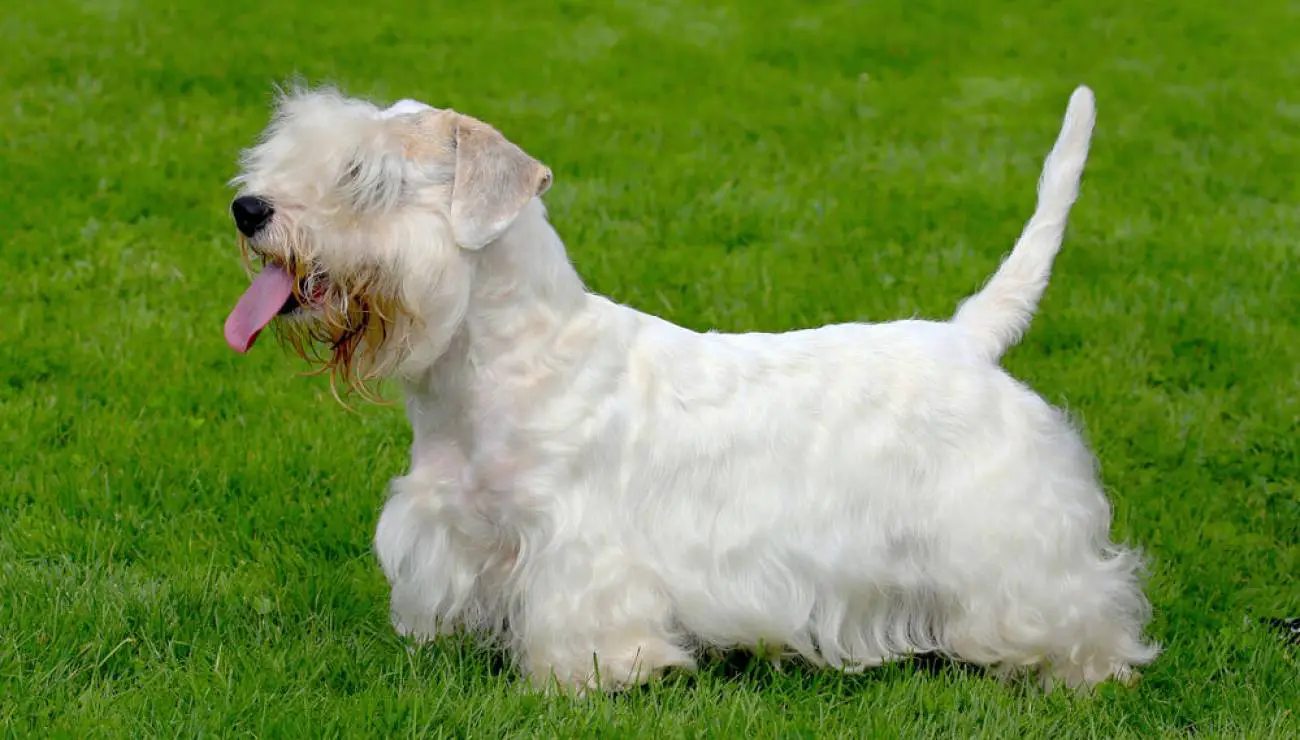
(605, 491)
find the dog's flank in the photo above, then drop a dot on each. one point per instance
(997, 316)
(602, 491)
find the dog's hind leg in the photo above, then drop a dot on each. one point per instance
(1076, 629)
(1068, 602)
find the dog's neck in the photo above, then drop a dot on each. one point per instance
(524, 287)
(525, 291)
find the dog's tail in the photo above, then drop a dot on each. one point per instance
(999, 314)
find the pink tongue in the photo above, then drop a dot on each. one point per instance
(259, 304)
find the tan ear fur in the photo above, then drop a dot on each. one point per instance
(494, 180)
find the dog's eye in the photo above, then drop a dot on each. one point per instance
(372, 185)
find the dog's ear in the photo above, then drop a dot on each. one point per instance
(494, 180)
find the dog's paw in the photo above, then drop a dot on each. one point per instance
(602, 674)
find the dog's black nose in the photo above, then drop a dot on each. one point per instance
(251, 213)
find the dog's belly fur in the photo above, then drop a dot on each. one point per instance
(848, 492)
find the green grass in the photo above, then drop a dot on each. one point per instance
(184, 533)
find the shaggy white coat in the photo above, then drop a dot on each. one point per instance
(606, 492)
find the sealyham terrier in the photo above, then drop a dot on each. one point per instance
(604, 494)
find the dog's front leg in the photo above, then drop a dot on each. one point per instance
(591, 618)
(433, 560)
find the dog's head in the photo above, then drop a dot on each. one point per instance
(364, 221)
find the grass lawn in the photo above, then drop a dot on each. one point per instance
(185, 533)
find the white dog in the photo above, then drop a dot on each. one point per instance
(605, 492)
